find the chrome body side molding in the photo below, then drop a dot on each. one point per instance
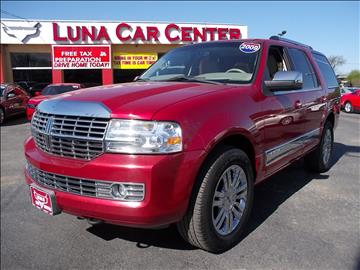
(289, 147)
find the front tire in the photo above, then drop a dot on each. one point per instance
(221, 203)
(348, 107)
(319, 160)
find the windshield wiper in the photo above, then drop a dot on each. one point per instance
(182, 78)
(141, 80)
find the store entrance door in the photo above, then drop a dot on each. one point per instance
(88, 77)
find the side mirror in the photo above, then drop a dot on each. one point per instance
(285, 80)
(37, 93)
(10, 95)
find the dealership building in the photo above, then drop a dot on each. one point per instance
(95, 52)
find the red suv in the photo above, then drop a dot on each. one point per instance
(186, 142)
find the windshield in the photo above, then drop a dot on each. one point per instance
(2, 88)
(233, 62)
(58, 89)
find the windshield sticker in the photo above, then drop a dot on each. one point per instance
(249, 47)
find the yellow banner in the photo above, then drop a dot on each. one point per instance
(133, 60)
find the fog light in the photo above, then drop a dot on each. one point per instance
(118, 190)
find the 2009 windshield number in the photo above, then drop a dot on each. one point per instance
(249, 47)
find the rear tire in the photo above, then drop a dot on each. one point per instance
(221, 202)
(319, 160)
(348, 107)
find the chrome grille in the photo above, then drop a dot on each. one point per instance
(85, 187)
(79, 137)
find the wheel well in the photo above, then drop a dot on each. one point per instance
(237, 141)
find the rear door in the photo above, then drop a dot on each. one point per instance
(313, 97)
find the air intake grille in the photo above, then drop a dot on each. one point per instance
(79, 137)
(85, 187)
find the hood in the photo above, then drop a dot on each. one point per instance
(138, 100)
(38, 99)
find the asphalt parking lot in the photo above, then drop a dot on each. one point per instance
(300, 221)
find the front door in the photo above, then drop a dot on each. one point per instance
(284, 116)
(12, 101)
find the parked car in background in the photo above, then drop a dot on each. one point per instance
(48, 92)
(26, 85)
(37, 88)
(351, 102)
(13, 100)
(32, 87)
(347, 90)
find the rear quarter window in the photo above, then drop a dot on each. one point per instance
(326, 70)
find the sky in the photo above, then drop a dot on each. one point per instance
(331, 27)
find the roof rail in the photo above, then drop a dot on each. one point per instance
(290, 41)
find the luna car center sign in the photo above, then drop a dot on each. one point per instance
(81, 57)
(130, 32)
(97, 32)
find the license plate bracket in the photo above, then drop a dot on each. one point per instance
(44, 200)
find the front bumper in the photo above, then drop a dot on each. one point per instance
(168, 181)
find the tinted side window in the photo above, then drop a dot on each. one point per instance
(302, 64)
(326, 70)
(276, 61)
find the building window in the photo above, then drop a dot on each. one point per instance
(34, 67)
(87, 77)
(126, 75)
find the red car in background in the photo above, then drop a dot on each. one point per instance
(13, 100)
(49, 91)
(351, 102)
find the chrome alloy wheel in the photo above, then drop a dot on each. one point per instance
(326, 148)
(347, 107)
(229, 200)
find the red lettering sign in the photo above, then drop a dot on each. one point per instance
(119, 31)
(84, 57)
(125, 32)
(168, 32)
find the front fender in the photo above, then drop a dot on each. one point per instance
(207, 119)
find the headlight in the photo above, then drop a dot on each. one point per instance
(137, 137)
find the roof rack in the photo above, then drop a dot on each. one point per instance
(290, 41)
